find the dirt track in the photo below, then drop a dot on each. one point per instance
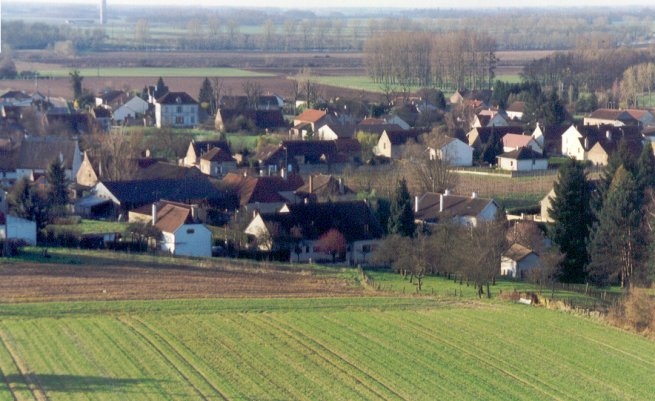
(25, 282)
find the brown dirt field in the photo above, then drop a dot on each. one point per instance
(36, 282)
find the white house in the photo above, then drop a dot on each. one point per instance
(515, 110)
(181, 231)
(130, 109)
(517, 261)
(18, 228)
(452, 150)
(176, 109)
(523, 159)
(572, 145)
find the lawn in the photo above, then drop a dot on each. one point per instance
(316, 349)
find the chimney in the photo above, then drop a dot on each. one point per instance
(608, 135)
(194, 213)
(416, 204)
(154, 213)
(474, 195)
(341, 190)
(441, 196)
(311, 184)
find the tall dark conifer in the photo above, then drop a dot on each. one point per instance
(401, 218)
(618, 245)
(572, 215)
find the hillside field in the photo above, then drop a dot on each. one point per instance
(141, 328)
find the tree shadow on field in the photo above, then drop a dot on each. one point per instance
(51, 383)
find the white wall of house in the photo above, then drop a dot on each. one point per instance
(216, 169)
(130, 109)
(514, 269)
(506, 163)
(176, 115)
(325, 133)
(456, 153)
(188, 240)
(571, 145)
(19, 229)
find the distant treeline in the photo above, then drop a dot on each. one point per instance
(293, 30)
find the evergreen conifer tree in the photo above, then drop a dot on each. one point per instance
(572, 215)
(401, 216)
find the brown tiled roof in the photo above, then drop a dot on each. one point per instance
(217, 155)
(170, 217)
(517, 252)
(400, 137)
(612, 114)
(454, 206)
(516, 140)
(261, 189)
(516, 106)
(310, 115)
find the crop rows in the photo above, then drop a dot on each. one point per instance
(324, 351)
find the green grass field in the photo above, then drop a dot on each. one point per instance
(155, 72)
(316, 349)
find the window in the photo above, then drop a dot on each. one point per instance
(179, 109)
(190, 231)
(179, 120)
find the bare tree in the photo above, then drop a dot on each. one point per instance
(253, 92)
(432, 173)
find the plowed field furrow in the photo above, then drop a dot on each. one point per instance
(461, 347)
(238, 362)
(344, 363)
(191, 377)
(383, 351)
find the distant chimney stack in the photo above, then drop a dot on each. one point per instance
(474, 195)
(311, 184)
(416, 204)
(154, 213)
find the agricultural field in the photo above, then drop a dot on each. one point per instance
(82, 325)
(315, 349)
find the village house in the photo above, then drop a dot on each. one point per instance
(518, 261)
(515, 142)
(515, 111)
(549, 138)
(392, 143)
(182, 231)
(479, 136)
(265, 194)
(522, 159)
(453, 151)
(435, 208)
(615, 117)
(130, 110)
(488, 118)
(37, 153)
(177, 110)
(297, 230)
(19, 229)
(597, 143)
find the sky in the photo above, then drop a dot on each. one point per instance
(447, 4)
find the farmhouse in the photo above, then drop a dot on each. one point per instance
(522, 159)
(297, 230)
(434, 208)
(518, 261)
(176, 109)
(452, 150)
(182, 232)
